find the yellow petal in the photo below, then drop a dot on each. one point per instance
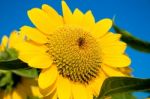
(77, 18)
(101, 27)
(4, 43)
(1, 48)
(89, 17)
(27, 51)
(52, 96)
(49, 90)
(64, 83)
(109, 38)
(48, 77)
(116, 60)
(96, 84)
(25, 57)
(66, 12)
(18, 93)
(52, 13)
(114, 48)
(30, 47)
(111, 44)
(79, 91)
(110, 71)
(88, 21)
(35, 91)
(42, 20)
(14, 37)
(125, 70)
(30, 86)
(42, 61)
(34, 34)
(7, 95)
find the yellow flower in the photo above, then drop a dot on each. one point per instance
(14, 39)
(22, 87)
(76, 54)
(25, 88)
(3, 43)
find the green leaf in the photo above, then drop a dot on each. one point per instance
(5, 78)
(132, 41)
(13, 54)
(8, 54)
(9, 61)
(12, 64)
(123, 96)
(4, 56)
(6, 81)
(30, 73)
(115, 85)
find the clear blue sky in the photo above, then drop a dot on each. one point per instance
(132, 15)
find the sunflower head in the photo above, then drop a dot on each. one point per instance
(73, 51)
(21, 89)
(80, 54)
(7, 47)
(13, 86)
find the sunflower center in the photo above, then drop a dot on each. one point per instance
(75, 52)
(81, 41)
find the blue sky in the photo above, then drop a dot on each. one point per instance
(132, 15)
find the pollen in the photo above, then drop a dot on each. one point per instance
(75, 53)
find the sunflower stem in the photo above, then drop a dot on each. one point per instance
(132, 41)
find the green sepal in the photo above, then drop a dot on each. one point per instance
(30, 72)
(12, 65)
(5, 77)
(4, 56)
(13, 54)
(6, 81)
(8, 54)
(115, 85)
(9, 61)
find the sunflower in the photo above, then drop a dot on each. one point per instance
(76, 54)
(24, 88)
(18, 87)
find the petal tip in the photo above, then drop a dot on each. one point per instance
(65, 7)
(32, 11)
(109, 21)
(45, 6)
